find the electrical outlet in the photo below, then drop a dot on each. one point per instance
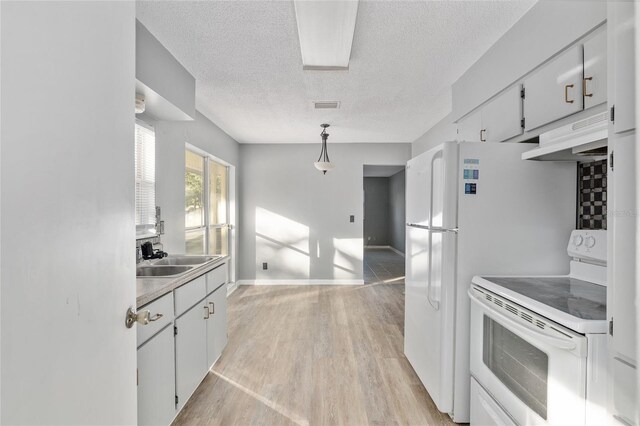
(352, 218)
(264, 266)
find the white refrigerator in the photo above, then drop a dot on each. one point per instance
(473, 209)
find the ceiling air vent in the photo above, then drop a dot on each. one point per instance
(326, 104)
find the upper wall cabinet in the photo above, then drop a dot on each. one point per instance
(498, 120)
(469, 128)
(555, 90)
(502, 117)
(622, 34)
(594, 84)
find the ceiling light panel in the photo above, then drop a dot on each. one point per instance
(326, 32)
(326, 104)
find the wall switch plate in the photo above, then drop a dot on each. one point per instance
(352, 218)
(264, 266)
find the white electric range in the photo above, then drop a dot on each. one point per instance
(538, 344)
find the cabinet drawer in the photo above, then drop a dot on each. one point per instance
(190, 294)
(162, 306)
(216, 277)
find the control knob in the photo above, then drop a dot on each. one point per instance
(577, 240)
(589, 242)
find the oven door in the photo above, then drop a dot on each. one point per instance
(534, 368)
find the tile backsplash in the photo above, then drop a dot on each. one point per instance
(592, 196)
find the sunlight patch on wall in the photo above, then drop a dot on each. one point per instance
(282, 243)
(347, 257)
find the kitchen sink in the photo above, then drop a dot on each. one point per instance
(161, 270)
(185, 260)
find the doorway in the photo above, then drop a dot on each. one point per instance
(384, 223)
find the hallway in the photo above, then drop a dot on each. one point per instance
(383, 265)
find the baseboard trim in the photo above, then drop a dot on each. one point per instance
(397, 251)
(300, 282)
(393, 249)
(231, 287)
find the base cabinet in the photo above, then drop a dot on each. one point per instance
(173, 362)
(156, 380)
(191, 351)
(217, 324)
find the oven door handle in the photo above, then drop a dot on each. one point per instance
(510, 323)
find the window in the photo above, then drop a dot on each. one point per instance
(145, 159)
(206, 205)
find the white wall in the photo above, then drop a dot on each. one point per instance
(397, 211)
(444, 131)
(67, 196)
(169, 89)
(170, 145)
(297, 219)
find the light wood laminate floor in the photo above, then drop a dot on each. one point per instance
(313, 355)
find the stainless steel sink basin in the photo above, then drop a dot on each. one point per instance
(161, 270)
(185, 260)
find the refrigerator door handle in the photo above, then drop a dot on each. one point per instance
(433, 228)
(434, 303)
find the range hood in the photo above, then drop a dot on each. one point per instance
(580, 141)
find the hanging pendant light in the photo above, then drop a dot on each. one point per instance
(323, 164)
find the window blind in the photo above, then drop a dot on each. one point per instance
(145, 159)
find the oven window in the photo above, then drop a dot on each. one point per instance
(519, 365)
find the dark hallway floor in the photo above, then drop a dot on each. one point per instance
(383, 265)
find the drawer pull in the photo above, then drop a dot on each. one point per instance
(566, 93)
(213, 307)
(584, 86)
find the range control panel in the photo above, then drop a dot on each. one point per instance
(588, 244)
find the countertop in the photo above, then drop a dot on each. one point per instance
(149, 289)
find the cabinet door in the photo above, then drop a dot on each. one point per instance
(502, 117)
(156, 380)
(621, 265)
(621, 29)
(555, 90)
(469, 127)
(594, 87)
(217, 325)
(191, 351)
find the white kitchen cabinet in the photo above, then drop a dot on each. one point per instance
(594, 86)
(496, 121)
(621, 31)
(156, 380)
(502, 116)
(622, 205)
(191, 351)
(555, 90)
(469, 127)
(217, 324)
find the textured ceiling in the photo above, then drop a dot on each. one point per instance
(246, 59)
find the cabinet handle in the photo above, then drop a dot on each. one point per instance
(206, 312)
(213, 308)
(156, 317)
(482, 139)
(566, 93)
(584, 86)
